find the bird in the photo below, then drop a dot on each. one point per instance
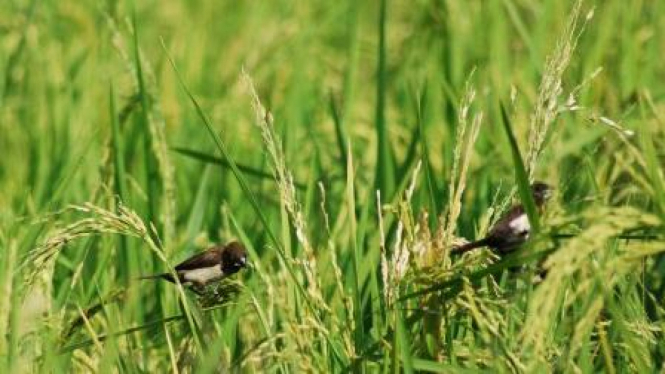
(209, 266)
(513, 229)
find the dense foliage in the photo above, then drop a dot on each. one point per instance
(350, 146)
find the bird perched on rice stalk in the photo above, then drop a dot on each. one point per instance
(212, 265)
(513, 229)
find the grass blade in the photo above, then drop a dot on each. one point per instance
(340, 134)
(250, 171)
(521, 176)
(198, 210)
(403, 343)
(654, 172)
(119, 176)
(116, 140)
(385, 163)
(151, 172)
(424, 365)
(432, 185)
(356, 255)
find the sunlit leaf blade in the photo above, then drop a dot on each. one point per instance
(521, 176)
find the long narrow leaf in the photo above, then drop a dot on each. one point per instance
(521, 176)
(204, 157)
(385, 163)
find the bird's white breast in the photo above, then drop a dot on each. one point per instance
(520, 225)
(203, 275)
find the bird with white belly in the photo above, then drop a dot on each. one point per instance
(513, 229)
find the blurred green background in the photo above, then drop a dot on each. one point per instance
(92, 111)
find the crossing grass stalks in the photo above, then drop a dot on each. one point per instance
(365, 144)
(462, 157)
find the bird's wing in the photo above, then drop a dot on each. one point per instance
(210, 257)
(504, 227)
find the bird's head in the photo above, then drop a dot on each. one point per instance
(541, 192)
(234, 258)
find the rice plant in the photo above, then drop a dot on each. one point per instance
(351, 147)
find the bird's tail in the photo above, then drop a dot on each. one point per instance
(469, 246)
(165, 276)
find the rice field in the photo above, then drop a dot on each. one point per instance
(351, 147)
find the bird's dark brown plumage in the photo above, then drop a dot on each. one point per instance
(512, 230)
(207, 258)
(211, 265)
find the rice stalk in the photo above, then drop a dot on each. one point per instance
(491, 323)
(38, 267)
(551, 87)
(262, 353)
(385, 267)
(39, 264)
(572, 259)
(461, 159)
(146, 82)
(160, 146)
(125, 222)
(347, 327)
(156, 126)
(265, 122)
(396, 263)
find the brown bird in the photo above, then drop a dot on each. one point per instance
(513, 229)
(210, 266)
